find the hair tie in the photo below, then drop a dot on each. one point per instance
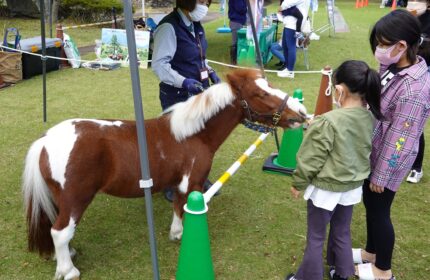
(421, 40)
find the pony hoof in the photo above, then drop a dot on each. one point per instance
(73, 274)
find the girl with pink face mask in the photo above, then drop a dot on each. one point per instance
(405, 105)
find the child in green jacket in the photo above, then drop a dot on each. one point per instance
(332, 164)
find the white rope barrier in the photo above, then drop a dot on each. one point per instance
(89, 24)
(324, 72)
(44, 57)
(265, 70)
(95, 24)
(328, 73)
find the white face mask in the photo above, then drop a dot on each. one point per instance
(199, 12)
(417, 8)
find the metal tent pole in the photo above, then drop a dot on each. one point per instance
(254, 34)
(146, 181)
(42, 24)
(259, 57)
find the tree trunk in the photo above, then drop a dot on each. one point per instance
(55, 7)
(47, 8)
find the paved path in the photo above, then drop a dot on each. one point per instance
(339, 22)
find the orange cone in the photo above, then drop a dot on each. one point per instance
(324, 101)
(394, 5)
(357, 4)
(361, 3)
(366, 3)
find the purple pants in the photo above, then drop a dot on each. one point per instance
(339, 248)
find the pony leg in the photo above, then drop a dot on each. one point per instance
(61, 238)
(176, 228)
(72, 254)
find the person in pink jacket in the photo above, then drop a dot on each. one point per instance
(405, 105)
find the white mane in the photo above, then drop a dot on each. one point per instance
(189, 117)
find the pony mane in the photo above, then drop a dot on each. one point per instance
(189, 117)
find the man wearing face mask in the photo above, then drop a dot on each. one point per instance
(179, 57)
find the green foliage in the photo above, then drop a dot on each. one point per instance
(89, 10)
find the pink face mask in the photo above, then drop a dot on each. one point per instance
(384, 55)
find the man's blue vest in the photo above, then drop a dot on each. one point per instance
(190, 54)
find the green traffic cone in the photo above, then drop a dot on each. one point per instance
(291, 141)
(195, 261)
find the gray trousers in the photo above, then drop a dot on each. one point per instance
(234, 26)
(339, 250)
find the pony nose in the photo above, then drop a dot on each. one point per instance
(298, 119)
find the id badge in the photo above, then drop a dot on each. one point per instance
(204, 74)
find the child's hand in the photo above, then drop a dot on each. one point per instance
(295, 192)
(376, 188)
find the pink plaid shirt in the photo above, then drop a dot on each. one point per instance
(405, 104)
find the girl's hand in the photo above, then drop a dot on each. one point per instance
(295, 192)
(376, 188)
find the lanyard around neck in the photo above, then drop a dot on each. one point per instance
(199, 44)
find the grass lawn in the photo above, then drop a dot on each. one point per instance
(257, 230)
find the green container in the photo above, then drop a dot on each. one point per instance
(265, 41)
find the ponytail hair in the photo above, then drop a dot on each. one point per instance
(372, 94)
(361, 80)
(424, 49)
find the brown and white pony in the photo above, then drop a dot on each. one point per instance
(78, 158)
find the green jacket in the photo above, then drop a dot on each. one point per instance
(335, 152)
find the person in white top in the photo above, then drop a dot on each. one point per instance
(289, 34)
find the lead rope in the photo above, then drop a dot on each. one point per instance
(257, 127)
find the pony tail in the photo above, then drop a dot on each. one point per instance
(373, 93)
(39, 207)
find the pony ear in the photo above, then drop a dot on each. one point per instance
(234, 80)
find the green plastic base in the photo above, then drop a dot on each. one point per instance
(271, 165)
